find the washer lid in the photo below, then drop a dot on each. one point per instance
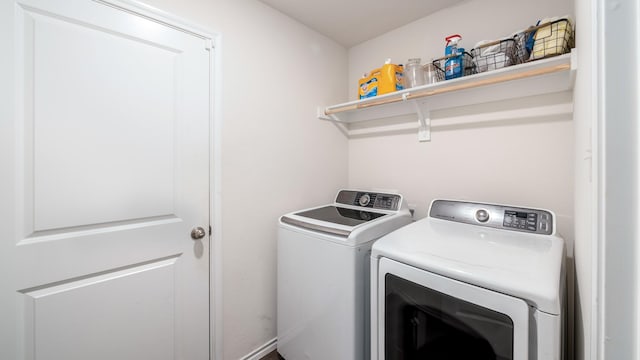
(356, 217)
(340, 215)
(528, 266)
(334, 220)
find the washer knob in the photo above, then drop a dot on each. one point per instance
(482, 215)
(364, 200)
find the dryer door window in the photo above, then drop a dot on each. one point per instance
(422, 323)
(421, 315)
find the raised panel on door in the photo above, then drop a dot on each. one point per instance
(111, 168)
(101, 153)
(82, 318)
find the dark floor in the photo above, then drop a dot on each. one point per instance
(271, 356)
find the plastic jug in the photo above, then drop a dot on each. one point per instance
(380, 81)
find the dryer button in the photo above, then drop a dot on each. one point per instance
(482, 215)
(544, 226)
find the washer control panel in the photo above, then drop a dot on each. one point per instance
(496, 216)
(371, 200)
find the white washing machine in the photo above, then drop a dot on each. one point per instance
(323, 274)
(470, 281)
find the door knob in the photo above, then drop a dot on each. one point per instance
(197, 233)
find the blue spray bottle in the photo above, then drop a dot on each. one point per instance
(453, 65)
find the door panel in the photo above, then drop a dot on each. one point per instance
(73, 319)
(110, 169)
(89, 166)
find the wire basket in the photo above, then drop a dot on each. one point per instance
(468, 67)
(495, 55)
(545, 40)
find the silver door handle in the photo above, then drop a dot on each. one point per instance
(198, 233)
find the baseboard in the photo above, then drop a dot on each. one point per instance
(262, 351)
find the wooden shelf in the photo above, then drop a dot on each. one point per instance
(544, 76)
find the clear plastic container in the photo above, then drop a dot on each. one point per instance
(430, 73)
(413, 73)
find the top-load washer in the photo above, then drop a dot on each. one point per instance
(470, 281)
(323, 274)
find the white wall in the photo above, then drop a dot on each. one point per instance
(526, 161)
(276, 156)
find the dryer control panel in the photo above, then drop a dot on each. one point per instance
(496, 216)
(371, 200)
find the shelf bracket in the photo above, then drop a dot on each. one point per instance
(334, 119)
(343, 128)
(424, 121)
(331, 117)
(321, 115)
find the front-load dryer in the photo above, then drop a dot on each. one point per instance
(470, 281)
(323, 274)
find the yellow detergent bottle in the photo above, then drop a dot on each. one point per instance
(380, 81)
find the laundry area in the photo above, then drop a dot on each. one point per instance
(319, 180)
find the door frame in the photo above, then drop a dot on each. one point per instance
(615, 328)
(215, 164)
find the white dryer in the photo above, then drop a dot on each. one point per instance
(323, 274)
(470, 281)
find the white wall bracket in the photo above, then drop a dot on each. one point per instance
(424, 117)
(424, 121)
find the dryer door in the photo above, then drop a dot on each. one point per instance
(427, 316)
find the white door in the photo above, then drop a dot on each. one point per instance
(104, 163)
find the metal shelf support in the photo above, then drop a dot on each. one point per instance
(424, 121)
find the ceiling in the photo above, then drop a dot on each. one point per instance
(350, 22)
